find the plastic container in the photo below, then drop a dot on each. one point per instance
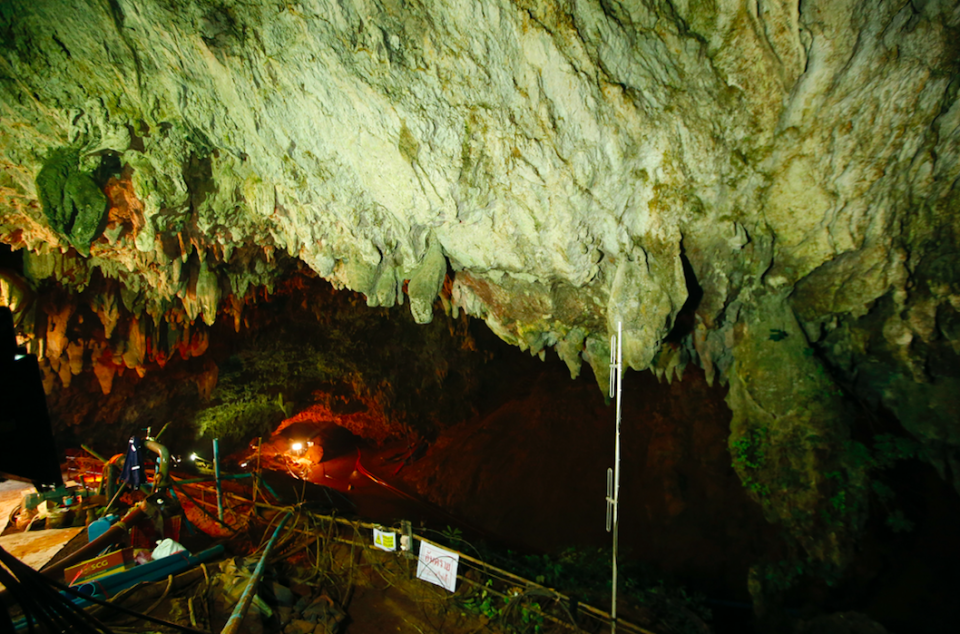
(100, 526)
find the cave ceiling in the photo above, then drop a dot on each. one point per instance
(766, 189)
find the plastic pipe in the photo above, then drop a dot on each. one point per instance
(153, 571)
(93, 548)
(162, 478)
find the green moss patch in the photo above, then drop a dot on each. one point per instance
(72, 202)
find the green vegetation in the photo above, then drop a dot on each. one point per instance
(586, 573)
(333, 350)
(252, 416)
(749, 454)
(249, 397)
(857, 458)
(847, 490)
(452, 536)
(514, 612)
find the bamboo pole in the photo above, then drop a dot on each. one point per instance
(216, 476)
(233, 623)
(93, 453)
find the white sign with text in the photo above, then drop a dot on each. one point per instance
(384, 540)
(438, 566)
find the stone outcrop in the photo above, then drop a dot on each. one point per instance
(565, 166)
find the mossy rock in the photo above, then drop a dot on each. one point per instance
(72, 202)
(51, 183)
(790, 437)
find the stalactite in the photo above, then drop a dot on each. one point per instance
(105, 306)
(49, 376)
(63, 371)
(234, 308)
(190, 302)
(56, 336)
(207, 380)
(185, 248)
(105, 371)
(135, 348)
(75, 351)
(207, 293)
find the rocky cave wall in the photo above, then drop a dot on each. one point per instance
(566, 165)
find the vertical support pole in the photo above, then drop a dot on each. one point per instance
(406, 538)
(236, 618)
(216, 477)
(616, 380)
(406, 546)
(256, 471)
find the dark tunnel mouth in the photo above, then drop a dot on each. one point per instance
(685, 321)
(10, 259)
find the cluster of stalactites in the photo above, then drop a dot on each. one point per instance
(97, 330)
(127, 303)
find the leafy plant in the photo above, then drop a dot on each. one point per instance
(531, 615)
(238, 420)
(898, 523)
(453, 536)
(848, 489)
(749, 454)
(485, 603)
(748, 450)
(889, 449)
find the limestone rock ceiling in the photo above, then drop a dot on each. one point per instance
(791, 168)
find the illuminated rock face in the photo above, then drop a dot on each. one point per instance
(570, 166)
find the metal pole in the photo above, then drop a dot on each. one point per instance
(216, 477)
(233, 623)
(616, 479)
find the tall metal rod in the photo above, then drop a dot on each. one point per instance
(216, 477)
(233, 623)
(616, 477)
